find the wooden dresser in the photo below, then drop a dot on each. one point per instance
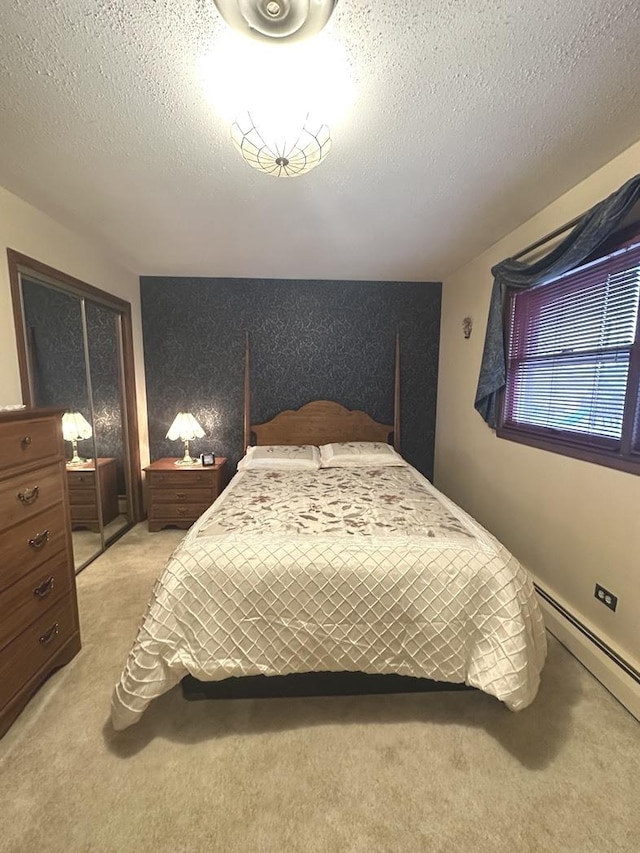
(83, 495)
(38, 610)
(177, 495)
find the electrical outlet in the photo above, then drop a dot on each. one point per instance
(606, 597)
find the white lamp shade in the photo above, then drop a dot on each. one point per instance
(281, 147)
(75, 426)
(185, 427)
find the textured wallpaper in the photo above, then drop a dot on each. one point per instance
(53, 320)
(309, 340)
(108, 408)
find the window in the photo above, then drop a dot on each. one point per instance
(573, 361)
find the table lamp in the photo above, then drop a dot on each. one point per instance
(74, 428)
(185, 427)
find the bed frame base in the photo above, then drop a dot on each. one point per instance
(311, 684)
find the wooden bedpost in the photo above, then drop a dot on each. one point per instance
(247, 395)
(396, 397)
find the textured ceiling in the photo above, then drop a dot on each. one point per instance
(469, 117)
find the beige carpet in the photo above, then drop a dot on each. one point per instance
(440, 772)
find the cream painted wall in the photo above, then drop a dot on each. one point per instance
(569, 522)
(31, 232)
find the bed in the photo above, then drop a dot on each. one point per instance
(352, 567)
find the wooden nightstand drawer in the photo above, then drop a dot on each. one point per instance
(181, 477)
(31, 650)
(187, 512)
(84, 512)
(84, 497)
(33, 441)
(179, 496)
(29, 597)
(84, 483)
(24, 495)
(80, 479)
(31, 543)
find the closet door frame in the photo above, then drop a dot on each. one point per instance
(20, 264)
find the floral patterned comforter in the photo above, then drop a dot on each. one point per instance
(341, 569)
(366, 501)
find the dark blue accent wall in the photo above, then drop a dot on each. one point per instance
(309, 340)
(55, 342)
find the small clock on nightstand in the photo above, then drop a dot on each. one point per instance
(178, 495)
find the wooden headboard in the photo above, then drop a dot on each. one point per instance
(321, 421)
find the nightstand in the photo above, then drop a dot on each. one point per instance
(83, 496)
(178, 494)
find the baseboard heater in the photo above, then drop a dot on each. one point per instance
(311, 684)
(624, 665)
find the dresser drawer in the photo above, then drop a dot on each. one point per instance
(47, 534)
(180, 496)
(181, 479)
(31, 441)
(32, 649)
(81, 479)
(185, 511)
(27, 598)
(24, 495)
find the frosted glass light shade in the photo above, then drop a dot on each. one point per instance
(185, 427)
(75, 426)
(284, 154)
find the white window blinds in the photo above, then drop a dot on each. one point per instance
(570, 351)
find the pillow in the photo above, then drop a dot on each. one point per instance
(359, 454)
(281, 456)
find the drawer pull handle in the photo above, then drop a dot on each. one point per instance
(26, 441)
(182, 510)
(44, 588)
(39, 540)
(181, 495)
(29, 496)
(53, 631)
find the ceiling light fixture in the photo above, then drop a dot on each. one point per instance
(276, 133)
(285, 20)
(281, 153)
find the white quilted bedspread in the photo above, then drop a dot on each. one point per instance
(369, 570)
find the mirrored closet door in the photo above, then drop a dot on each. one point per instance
(75, 352)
